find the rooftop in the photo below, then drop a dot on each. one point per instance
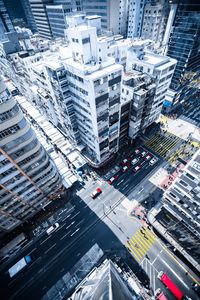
(154, 59)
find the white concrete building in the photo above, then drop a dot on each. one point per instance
(95, 86)
(28, 178)
(160, 68)
(154, 21)
(138, 89)
(135, 18)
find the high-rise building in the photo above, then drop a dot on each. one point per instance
(148, 19)
(29, 179)
(138, 90)
(184, 46)
(29, 15)
(178, 216)
(5, 21)
(135, 18)
(38, 8)
(57, 15)
(113, 13)
(95, 85)
(185, 40)
(154, 20)
(16, 12)
(159, 67)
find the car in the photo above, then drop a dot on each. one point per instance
(143, 153)
(137, 168)
(153, 161)
(96, 193)
(52, 228)
(136, 151)
(147, 157)
(125, 161)
(134, 161)
(112, 179)
(125, 168)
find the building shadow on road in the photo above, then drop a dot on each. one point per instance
(55, 255)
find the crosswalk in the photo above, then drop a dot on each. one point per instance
(140, 243)
(162, 144)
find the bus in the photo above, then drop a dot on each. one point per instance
(21, 264)
(170, 285)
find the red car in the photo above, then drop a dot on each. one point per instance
(113, 179)
(137, 168)
(149, 156)
(96, 193)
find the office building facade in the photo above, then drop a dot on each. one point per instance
(29, 15)
(184, 43)
(28, 178)
(38, 8)
(5, 21)
(113, 14)
(57, 15)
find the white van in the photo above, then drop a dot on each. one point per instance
(52, 228)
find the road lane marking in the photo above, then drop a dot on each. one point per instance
(50, 248)
(75, 215)
(75, 231)
(178, 263)
(120, 182)
(179, 278)
(70, 225)
(80, 222)
(125, 186)
(65, 235)
(139, 245)
(45, 240)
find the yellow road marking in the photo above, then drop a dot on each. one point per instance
(143, 244)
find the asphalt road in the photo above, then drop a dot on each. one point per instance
(86, 223)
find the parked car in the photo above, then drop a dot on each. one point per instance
(96, 193)
(143, 153)
(113, 179)
(124, 162)
(153, 161)
(149, 156)
(137, 168)
(134, 161)
(125, 168)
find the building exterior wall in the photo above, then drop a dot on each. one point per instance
(113, 14)
(29, 15)
(154, 21)
(185, 40)
(38, 8)
(5, 22)
(135, 18)
(161, 68)
(28, 178)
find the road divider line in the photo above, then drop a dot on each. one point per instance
(45, 240)
(50, 248)
(75, 215)
(79, 222)
(75, 232)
